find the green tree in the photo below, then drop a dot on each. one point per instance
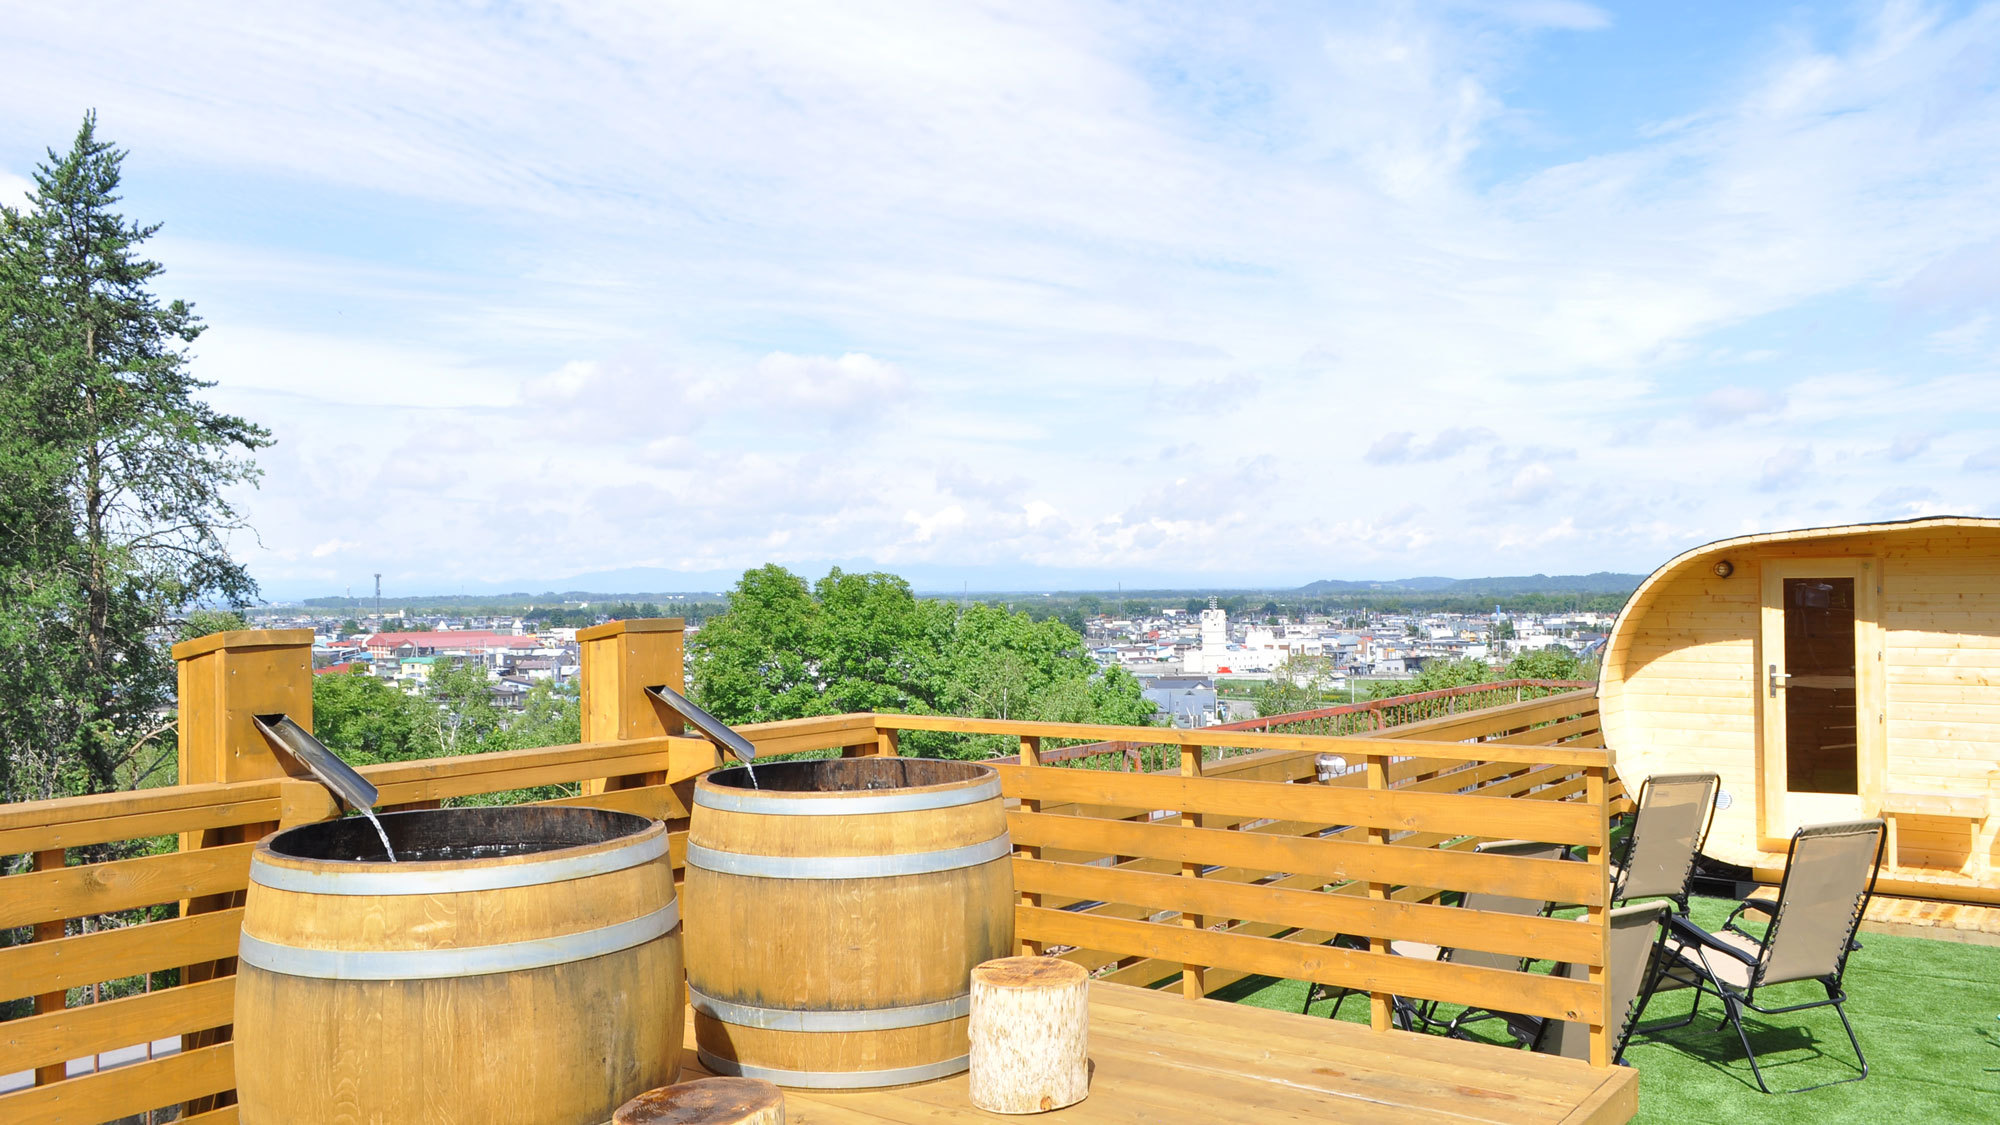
(368, 720)
(1435, 676)
(461, 695)
(202, 622)
(114, 479)
(550, 716)
(865, 642)
(755, 663)
(1298, 684)
(1552, 663)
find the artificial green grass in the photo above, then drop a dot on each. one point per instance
(1925, 1012)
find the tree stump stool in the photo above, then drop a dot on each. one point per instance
(1030, 1028)
(706, 1101)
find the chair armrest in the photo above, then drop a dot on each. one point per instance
(1679, 925)
(1763, 906)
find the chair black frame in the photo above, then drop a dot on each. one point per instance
(1676, 966)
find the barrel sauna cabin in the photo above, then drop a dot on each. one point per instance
(836, 910)
(1825, 674)
(516, 964)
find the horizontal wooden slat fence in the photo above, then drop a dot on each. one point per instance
(1235, 863)
(224, 820)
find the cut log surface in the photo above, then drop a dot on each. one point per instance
(707, 1101)
(1030, 1033)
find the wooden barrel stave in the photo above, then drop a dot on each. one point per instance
(594, 1018)
(814, 940)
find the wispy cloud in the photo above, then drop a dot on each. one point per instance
(1391, 449)
(1787, 468)
(1734, 404)
(699, 287)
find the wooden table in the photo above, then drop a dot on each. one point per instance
(1158, 1056)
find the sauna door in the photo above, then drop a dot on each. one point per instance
(1819, 679)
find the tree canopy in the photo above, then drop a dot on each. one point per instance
(368, 720)
(1298, 684)
(1552, 663)
(114, 483)
(1435, 675)
(788, 649)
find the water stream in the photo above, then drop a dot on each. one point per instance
(386, 846)
(751, 769)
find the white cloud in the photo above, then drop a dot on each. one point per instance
(14, 190)
(1909, 443)
(1531, 485)
(1391, 449)
(851, 383)
(1787, 468)
(940, 284)
(1733, 404)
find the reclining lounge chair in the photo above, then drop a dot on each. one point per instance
(1668, 830)
(1829, 878)
(1410, 1014)
(1635, 933)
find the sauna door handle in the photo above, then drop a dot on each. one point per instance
(1775, 677)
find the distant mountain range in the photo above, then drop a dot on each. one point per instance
(1602, 582)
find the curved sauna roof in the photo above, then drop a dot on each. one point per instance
(1631, 619)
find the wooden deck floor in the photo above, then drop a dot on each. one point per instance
(1160, 1057)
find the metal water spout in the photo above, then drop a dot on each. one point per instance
(311, 753)
(711, 728)
(326, 767)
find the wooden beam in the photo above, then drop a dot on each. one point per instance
(1499, 989)
(1449, 926)
(123, 884)
(1336, 860)
(85, 959)
(113, 1094)
(1164, 736)
(1390, 809)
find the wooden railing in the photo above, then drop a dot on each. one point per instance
(1233, 864)
(1281, 868)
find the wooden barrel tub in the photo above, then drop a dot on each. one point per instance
(518, 965)
(835, 913)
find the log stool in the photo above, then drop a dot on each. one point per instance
(706, 1101)
(1030, 1026)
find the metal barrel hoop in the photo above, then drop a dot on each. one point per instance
(847, 867)
(467, 961)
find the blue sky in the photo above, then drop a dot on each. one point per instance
(1047, 295)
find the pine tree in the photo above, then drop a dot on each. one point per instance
(114, 513)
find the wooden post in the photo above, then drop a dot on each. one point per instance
(621, 659)
(47, 1002)
(1379, 1011)
(305, 802)
(1598, 915)
(226, 680)
(885, 742)
(1031, 755)
(1194, 978)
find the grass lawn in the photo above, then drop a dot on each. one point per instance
(1925, 1012)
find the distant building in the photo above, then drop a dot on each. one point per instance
(1187, 701)
(465, 642)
